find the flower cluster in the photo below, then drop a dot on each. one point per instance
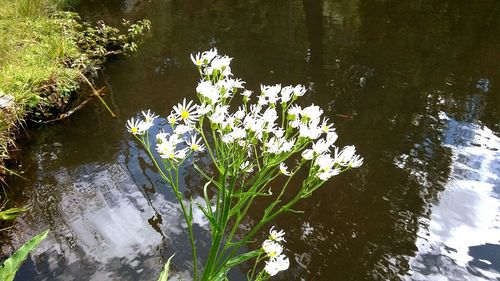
(274, 250)
(249, 137)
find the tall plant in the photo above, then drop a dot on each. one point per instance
(251, 140)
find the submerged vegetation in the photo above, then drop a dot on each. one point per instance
(43, 53)
(255, 150)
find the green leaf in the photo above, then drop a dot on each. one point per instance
(12, 264)
(242, 258)
(11, 213)
(166, 268)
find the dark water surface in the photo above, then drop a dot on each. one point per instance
(413, 84)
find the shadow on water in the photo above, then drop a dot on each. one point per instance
(414, 85)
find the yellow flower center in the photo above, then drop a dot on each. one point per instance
(134, 130)
(184, 114)
(194, 147)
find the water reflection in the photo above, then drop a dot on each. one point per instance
(424, 205)
(460, 239)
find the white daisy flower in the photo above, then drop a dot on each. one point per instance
(208, 91)
(276, 235)
(277, 264)
(149, 116)
(286, 94)
(284, 169)
(272, 248)
(195, 144)
(197, 59)
(299, 90)
(308, 154)
(136, 126)
(186, 111)
(209, 55)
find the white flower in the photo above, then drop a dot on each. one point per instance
(277, 264)
(172, 118)
(219, 114)
(227, 138)
(284, 171)
(197, 59)
(326, 127)
(221, 63)
(324, 162)
(299, 90)
(209, 55)
(167, 150)
(286, 94)
(308, 154)
(309, 132)
(276, 235)
(331, 138)
(230, 83)
(270, 116)
(262, 101)
(320, 146)
(209, 91)
(277, 145)
(279, 132)
(294, 112)
(272, 248)
(344, 157)
(356, 161)
(186, 111)
(149, 116)
(240, 114)
(204, 109)
(182, 129)
(326, 175)
(245, 167)
(271, 92)
(246, 93)
(195, 144)
(312, 112)
(136, 127)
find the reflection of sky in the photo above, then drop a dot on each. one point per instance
(100, 227)
(461, 240)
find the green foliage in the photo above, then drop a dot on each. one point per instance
(44, 51)
(11, 213)
(11, 265)
(166, 268)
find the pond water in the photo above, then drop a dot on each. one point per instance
(413, 84)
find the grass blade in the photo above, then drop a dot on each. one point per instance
(164, 273)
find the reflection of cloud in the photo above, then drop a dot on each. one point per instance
(467, 215)
(99, 226)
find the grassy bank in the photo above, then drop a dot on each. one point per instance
(43, 52)
(35, 43)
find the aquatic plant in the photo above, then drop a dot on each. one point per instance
(267, 140)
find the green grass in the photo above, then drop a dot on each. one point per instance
(36, 45)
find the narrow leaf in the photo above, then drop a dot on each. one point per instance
(12, 264)
(166, 268)
(242, 258)
(11, 213)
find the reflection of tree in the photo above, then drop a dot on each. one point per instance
(406, 53)
(389, 67)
